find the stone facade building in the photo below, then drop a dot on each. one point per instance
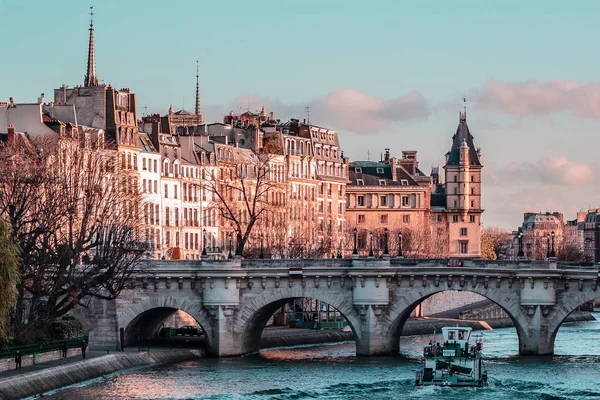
(437, 217)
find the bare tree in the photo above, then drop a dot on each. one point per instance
(569, 252)
(9, 276)
(244, 188)
(75, 218)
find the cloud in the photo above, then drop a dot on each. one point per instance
(541, 98)
(358, 111)
(553, 171)
(344, 109)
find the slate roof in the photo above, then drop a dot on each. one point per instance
(370, 175)
(462, 133)
(438, 200)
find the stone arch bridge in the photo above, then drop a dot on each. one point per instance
(233, 299)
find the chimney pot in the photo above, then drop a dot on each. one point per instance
(11, 135)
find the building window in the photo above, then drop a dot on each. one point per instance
(464, 247)
(406, 219)
(383, 218)
(166, 191)
(455, 218)
(380, 170)
(472, 178)
(360, 219)
(405, 201)
(360, 182)
(472, 218)
(404, 182)
(439, 218)
(463, 231)
(472, 204)
(382, 182)
(358, 170)
(472, 190)
(383, 201)
(360, 201)
(455, 204)
(455, 178)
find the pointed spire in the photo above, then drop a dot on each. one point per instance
(463, 115)
(90, 77)
(197, 91)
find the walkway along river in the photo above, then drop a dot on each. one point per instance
(333, 372)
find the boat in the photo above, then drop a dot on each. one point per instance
(455, 362)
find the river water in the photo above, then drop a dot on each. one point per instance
(333, 372)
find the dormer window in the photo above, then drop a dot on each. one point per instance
(358, 170)
(360, 182)
(380, 170)
(382, 182)
(404, 182)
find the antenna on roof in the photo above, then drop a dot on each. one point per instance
(368, 154)
(145, 110)
(307, 108)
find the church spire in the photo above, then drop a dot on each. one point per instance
(197, 91)
(90, 78)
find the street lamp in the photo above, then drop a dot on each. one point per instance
(548, 246)
(262, 255)
(552, 253)
(355, 250)
(520, 254)
(400, 245)
(370, 244)
(230, 236)
(204, 253)
(386, 250)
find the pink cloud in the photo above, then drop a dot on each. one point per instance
(552, 171)
(344, 109)
(358, 111)
(541, 98)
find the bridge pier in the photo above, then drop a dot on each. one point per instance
(372, 339)
(537, 336)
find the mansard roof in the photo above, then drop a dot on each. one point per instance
(462, 134)
(371, 172)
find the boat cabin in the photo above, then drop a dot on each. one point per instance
(457, 335)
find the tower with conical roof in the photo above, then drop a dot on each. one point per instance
(463, 192)
(91, 79)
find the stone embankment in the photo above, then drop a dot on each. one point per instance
(36, 382)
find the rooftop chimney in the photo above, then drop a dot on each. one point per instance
(11, 135)
(387, 155)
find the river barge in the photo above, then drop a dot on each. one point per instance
(455, 362)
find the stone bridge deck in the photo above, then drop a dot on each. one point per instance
(233, 299)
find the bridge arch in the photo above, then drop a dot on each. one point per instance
(256, 312)
(150, 312)
(409, 300)
(568, 306)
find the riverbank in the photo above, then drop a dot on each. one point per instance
(32, 383)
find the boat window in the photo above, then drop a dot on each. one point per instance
(462, 335)
(451, 335)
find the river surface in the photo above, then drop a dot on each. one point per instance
(333, 372)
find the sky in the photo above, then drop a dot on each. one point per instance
(384, 74)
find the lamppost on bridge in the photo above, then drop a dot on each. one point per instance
(229, 238)
(552, 253)
(400, 245)
(262, 254)
(204, 253)
(548, 246)
(386, 250)
(520, 254)
(355, 250)
(370, 244)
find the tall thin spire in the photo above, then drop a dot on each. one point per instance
(197, 91)
(90, 77)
